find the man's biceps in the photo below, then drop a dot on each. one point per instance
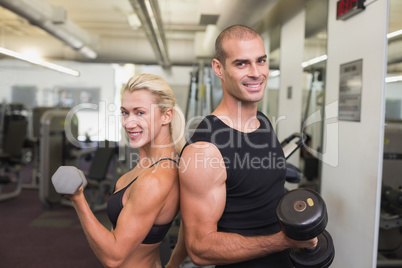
(199, 186)
(201, 215)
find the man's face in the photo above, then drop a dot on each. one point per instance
(246, 69)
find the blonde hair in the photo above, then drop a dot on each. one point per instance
(165, 99)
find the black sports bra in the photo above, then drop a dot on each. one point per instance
(115, 205)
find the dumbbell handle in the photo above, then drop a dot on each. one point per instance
(321, 255)
(311, 249)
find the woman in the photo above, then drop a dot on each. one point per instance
(146, 199)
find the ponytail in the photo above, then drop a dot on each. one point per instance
(177, 127)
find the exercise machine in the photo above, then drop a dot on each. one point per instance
(390, 232)
(13, 154)
(290, 145)
(59, 147)
(53, 149)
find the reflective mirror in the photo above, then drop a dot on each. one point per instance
(314, 67)
(390, 231)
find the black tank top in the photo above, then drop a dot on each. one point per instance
(115, 205)
(255, 168)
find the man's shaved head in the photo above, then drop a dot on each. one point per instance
(238, 32)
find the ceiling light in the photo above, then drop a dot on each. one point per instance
(38, 61)
(31, 53)
(394, 34)
(274, 73)
(392, 79)
(53, 20)
(314, 61)
(134, 21)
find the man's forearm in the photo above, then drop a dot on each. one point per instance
(221, 248)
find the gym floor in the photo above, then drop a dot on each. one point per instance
(32, 236)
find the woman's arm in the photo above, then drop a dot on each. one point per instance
(179, 252)
(146, 199)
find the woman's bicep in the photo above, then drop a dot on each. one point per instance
(139, 213)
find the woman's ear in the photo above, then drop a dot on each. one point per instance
(167, 116)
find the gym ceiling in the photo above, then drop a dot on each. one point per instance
(110, 28)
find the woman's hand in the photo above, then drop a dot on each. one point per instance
(169, 265)
(77, 196)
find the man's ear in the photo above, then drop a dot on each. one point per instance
(167, 116)
(217, 67)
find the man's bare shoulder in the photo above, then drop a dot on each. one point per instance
(202, 160)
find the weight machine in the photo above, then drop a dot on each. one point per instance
(15, 152)
(390, 233)
(59, 146)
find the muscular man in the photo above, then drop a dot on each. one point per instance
(232, 171)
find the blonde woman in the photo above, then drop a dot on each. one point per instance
(146, 199)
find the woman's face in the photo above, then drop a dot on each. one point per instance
(141, 117)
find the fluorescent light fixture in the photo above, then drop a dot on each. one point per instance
(54, 21)
(39, 62)
(31, 53)
(314, 61)
(394, 34)
(134, 21)
(392, 79)
(274, 73)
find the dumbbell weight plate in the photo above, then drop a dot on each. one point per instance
(302, 214)
(67, 180)
(319, 257)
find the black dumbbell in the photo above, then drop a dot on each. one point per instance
(303, 215)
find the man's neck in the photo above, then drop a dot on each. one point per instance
(240, 116)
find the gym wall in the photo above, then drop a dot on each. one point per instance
(352, 186)
(291, 78)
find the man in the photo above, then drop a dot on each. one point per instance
(232, 171)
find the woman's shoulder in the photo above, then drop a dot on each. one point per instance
(162, 172)
(125, 179)
(165, 168)
(155, 183)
